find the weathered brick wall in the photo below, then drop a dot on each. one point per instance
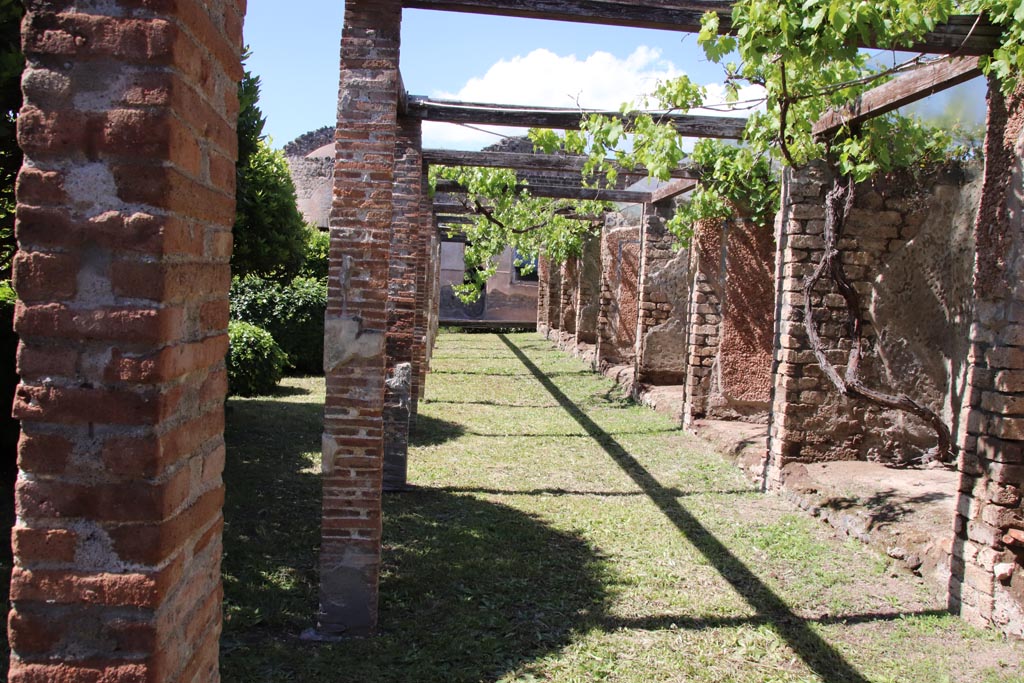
(422, 339)
(664, 285)
(570, 277)
(620, 264)
(588, 295)
(907, 251)
(988, 552)
(354, 359)
(125, 208)
(549, 298)
(313, 178)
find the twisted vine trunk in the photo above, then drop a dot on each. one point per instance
(838, 204)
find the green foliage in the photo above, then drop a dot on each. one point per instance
(270, 237)
(292, 312)
(255, 362)
(508, 216)
(318, 247)
(1006, 63)
(12, 63)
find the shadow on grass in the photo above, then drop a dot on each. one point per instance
(433, 431)
(470, 590)
(819, 655)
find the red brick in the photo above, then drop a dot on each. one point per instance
(169, 283)
(85, 36)
(154, 543)
(32, 546)
(168, 363)
(43, 453)
(36, 362)
(151, 456)
(81, 672)
(123, 325)
(88, 405)
(45, 277)
(128, 501)
(36, 186)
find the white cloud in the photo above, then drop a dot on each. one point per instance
(543, 78)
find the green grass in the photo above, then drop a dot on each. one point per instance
(558, 532)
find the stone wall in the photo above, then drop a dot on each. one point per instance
(313, 177)
(908, 252)
(620, 263)
(588, 294)
(664, 300)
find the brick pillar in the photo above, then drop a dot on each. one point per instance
(543, 285)
(406, 237)
(987, 584)
(424, 263)
(125, 208)
(589, 292)
(354, 359)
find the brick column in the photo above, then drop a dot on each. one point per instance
(567, 300)
(987, 584)
(406, 255)
(125, 208)
(354, 359)
(424, 265)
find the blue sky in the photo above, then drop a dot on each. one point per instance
(493, 59)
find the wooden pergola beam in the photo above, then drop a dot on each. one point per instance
(965, 35)
(910, 87)
(565, 192)
(525, 162)
(671, 190)
(477, 113)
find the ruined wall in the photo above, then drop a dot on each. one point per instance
(313, 177)
(620, 264)
(505, 299)
(570, 290)
(588, 294)
(664, 288)
(908, 252)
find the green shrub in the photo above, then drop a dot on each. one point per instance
(255, 362)
(293, 313)
(318, 246)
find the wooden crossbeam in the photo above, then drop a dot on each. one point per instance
(903, 90)
(451, 111)
(523, 162)
(564, 192)
(965, 35)
(672, 189)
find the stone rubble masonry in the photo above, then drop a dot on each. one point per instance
(588, 295)
(660, 342)
(620, 263)
(900, 279)
(407, 252)
(549, 293)
(425, 237)
(988, 575)
(731, 322)
(124, 215)
(570, 277)
(354, 359)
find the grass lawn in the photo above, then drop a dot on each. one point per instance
(558, 532)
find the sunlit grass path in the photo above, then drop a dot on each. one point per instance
(559, 532)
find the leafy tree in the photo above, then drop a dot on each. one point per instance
(506, 215)
(270, 236)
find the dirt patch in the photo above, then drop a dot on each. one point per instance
(905, 513)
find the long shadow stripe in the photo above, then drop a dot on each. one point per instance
(818, 654)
